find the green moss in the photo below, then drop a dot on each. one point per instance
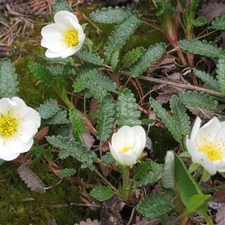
(19, 205)
(162, 141)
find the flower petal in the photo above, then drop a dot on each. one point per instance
(66, 18)
(195, 128)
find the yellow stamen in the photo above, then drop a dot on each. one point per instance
(71, 37)
(125, 149)
(213, 150)
(8, 126)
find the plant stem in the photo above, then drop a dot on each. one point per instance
(125, 190)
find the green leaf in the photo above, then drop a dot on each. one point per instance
(121, 33)
(59, 118)
(115, 59)
(148, 59)
(108, 159)
(132, 56)
(154, 205)
(101, 193)
(168, 179)
(106, 116)
(200, 21)
(90, 57)
(48, 109)
(193, 8)
(95, 82)
(8, 79)
(61, 5)
(162, 114)
(67, 172)
(141, 170)
(127, 109)
(181, 120)
(62, 77)
(69, 147)
(201, 48)
(218, 23)
(183, 180)
(147, 179)
(199, 99)
(111, 15)
(207, 79)
(41, 72)
(77, 123)
(221, 73)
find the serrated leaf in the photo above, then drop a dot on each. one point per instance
(141, 170)
(200, 21)
(201, 48)
(69, 147)
(108, 159)
(106, 116)
(90, 57)
(62, 77)
(41, 72)
(102, 193)
(207, 79)
(199, 99)
(67, 172)
(77, 123)
(147, 179)
(168, 179)
(31, 180)
(127, 109)
(121, 33)
(162, 114)
(59, 118)
(148, 59)
(95, 82)
(111, 15)
(8, 79)
(114, 59)
(181, 120)
(154, 205)
(48, 109)
(132, 56)
(61, 5)
(218, 23)
(221, 73)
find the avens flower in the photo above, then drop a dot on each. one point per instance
(64, 37)
(206, 145)
(128, 144)
(18, 125)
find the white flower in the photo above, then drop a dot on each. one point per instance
(18, 125)
(128, 144)
(64, 37)
(207, 145)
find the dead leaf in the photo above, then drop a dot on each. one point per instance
(88, 222)
(220, 216)
(211, 10)
(204, 114)
(31, 180)
(52, 222)
(219, 195)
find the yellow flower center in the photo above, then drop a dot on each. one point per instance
(8, 125)
(71, 37)
(213, 150)
(125, 149)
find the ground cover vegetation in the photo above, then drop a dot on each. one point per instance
(112, 112)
